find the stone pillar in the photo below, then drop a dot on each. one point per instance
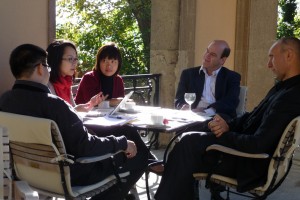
(187, 31)
(172, 43)
(255, 33)
(164, 46)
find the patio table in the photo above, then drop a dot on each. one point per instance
(140, 118)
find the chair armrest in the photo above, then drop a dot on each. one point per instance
(24, 191)
(234, 152)
(96, 158)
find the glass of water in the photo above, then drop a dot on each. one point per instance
(190, 98)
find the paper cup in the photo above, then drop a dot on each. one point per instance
(157, 119)
(130, 105)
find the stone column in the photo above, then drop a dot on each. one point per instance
(164, 46)
(172, 43)
(186, 43)
(255, 33)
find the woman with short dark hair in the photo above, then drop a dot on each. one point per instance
(104, 77)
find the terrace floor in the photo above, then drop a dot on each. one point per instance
(289, 190)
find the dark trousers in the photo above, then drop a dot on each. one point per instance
(136, 165)
(187, 157)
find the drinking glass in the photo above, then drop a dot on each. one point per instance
(189, 99)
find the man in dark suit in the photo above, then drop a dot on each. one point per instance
(256, 132)
(217, 88)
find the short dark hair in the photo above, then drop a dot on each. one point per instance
(24, 58)
(110, 51)
(226, 52)
(55, 54)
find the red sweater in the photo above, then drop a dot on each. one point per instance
(90, 86)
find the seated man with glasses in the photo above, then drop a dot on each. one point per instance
(30, 96)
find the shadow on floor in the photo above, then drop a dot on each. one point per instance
(289, 190)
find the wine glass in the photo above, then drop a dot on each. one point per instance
(190, 98)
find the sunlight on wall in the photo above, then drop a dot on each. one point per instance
(208, 26)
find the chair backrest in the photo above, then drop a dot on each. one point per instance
(283, 154)
(241, 108)
(36, 145)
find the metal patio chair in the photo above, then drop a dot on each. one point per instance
(40, 162)
(279, 166)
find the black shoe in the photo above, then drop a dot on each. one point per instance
(215, 190)
(156, 167)
(215, 195)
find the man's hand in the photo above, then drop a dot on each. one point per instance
(131, 149)
(218, 126)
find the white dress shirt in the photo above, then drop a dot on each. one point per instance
(208, 94)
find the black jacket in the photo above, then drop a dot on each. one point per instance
(260, 131)
(33, 99)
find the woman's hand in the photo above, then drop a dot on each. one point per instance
(95, 100)
(98, 98)
(218, 126)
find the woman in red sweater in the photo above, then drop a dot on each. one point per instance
(63, 60)
(104, 76)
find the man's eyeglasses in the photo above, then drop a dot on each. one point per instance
(71, 60)
(48, 67)
(44, 65)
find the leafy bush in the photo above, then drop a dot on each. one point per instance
(92, 23)
(288, 21)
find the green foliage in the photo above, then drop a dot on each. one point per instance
(92, 23)
(288, 21)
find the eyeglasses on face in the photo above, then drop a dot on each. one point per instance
(71, 59)
(44, 65)
(47, 66)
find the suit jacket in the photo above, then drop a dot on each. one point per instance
(227, 89)
(261, 130)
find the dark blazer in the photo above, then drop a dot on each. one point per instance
(227, 89)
